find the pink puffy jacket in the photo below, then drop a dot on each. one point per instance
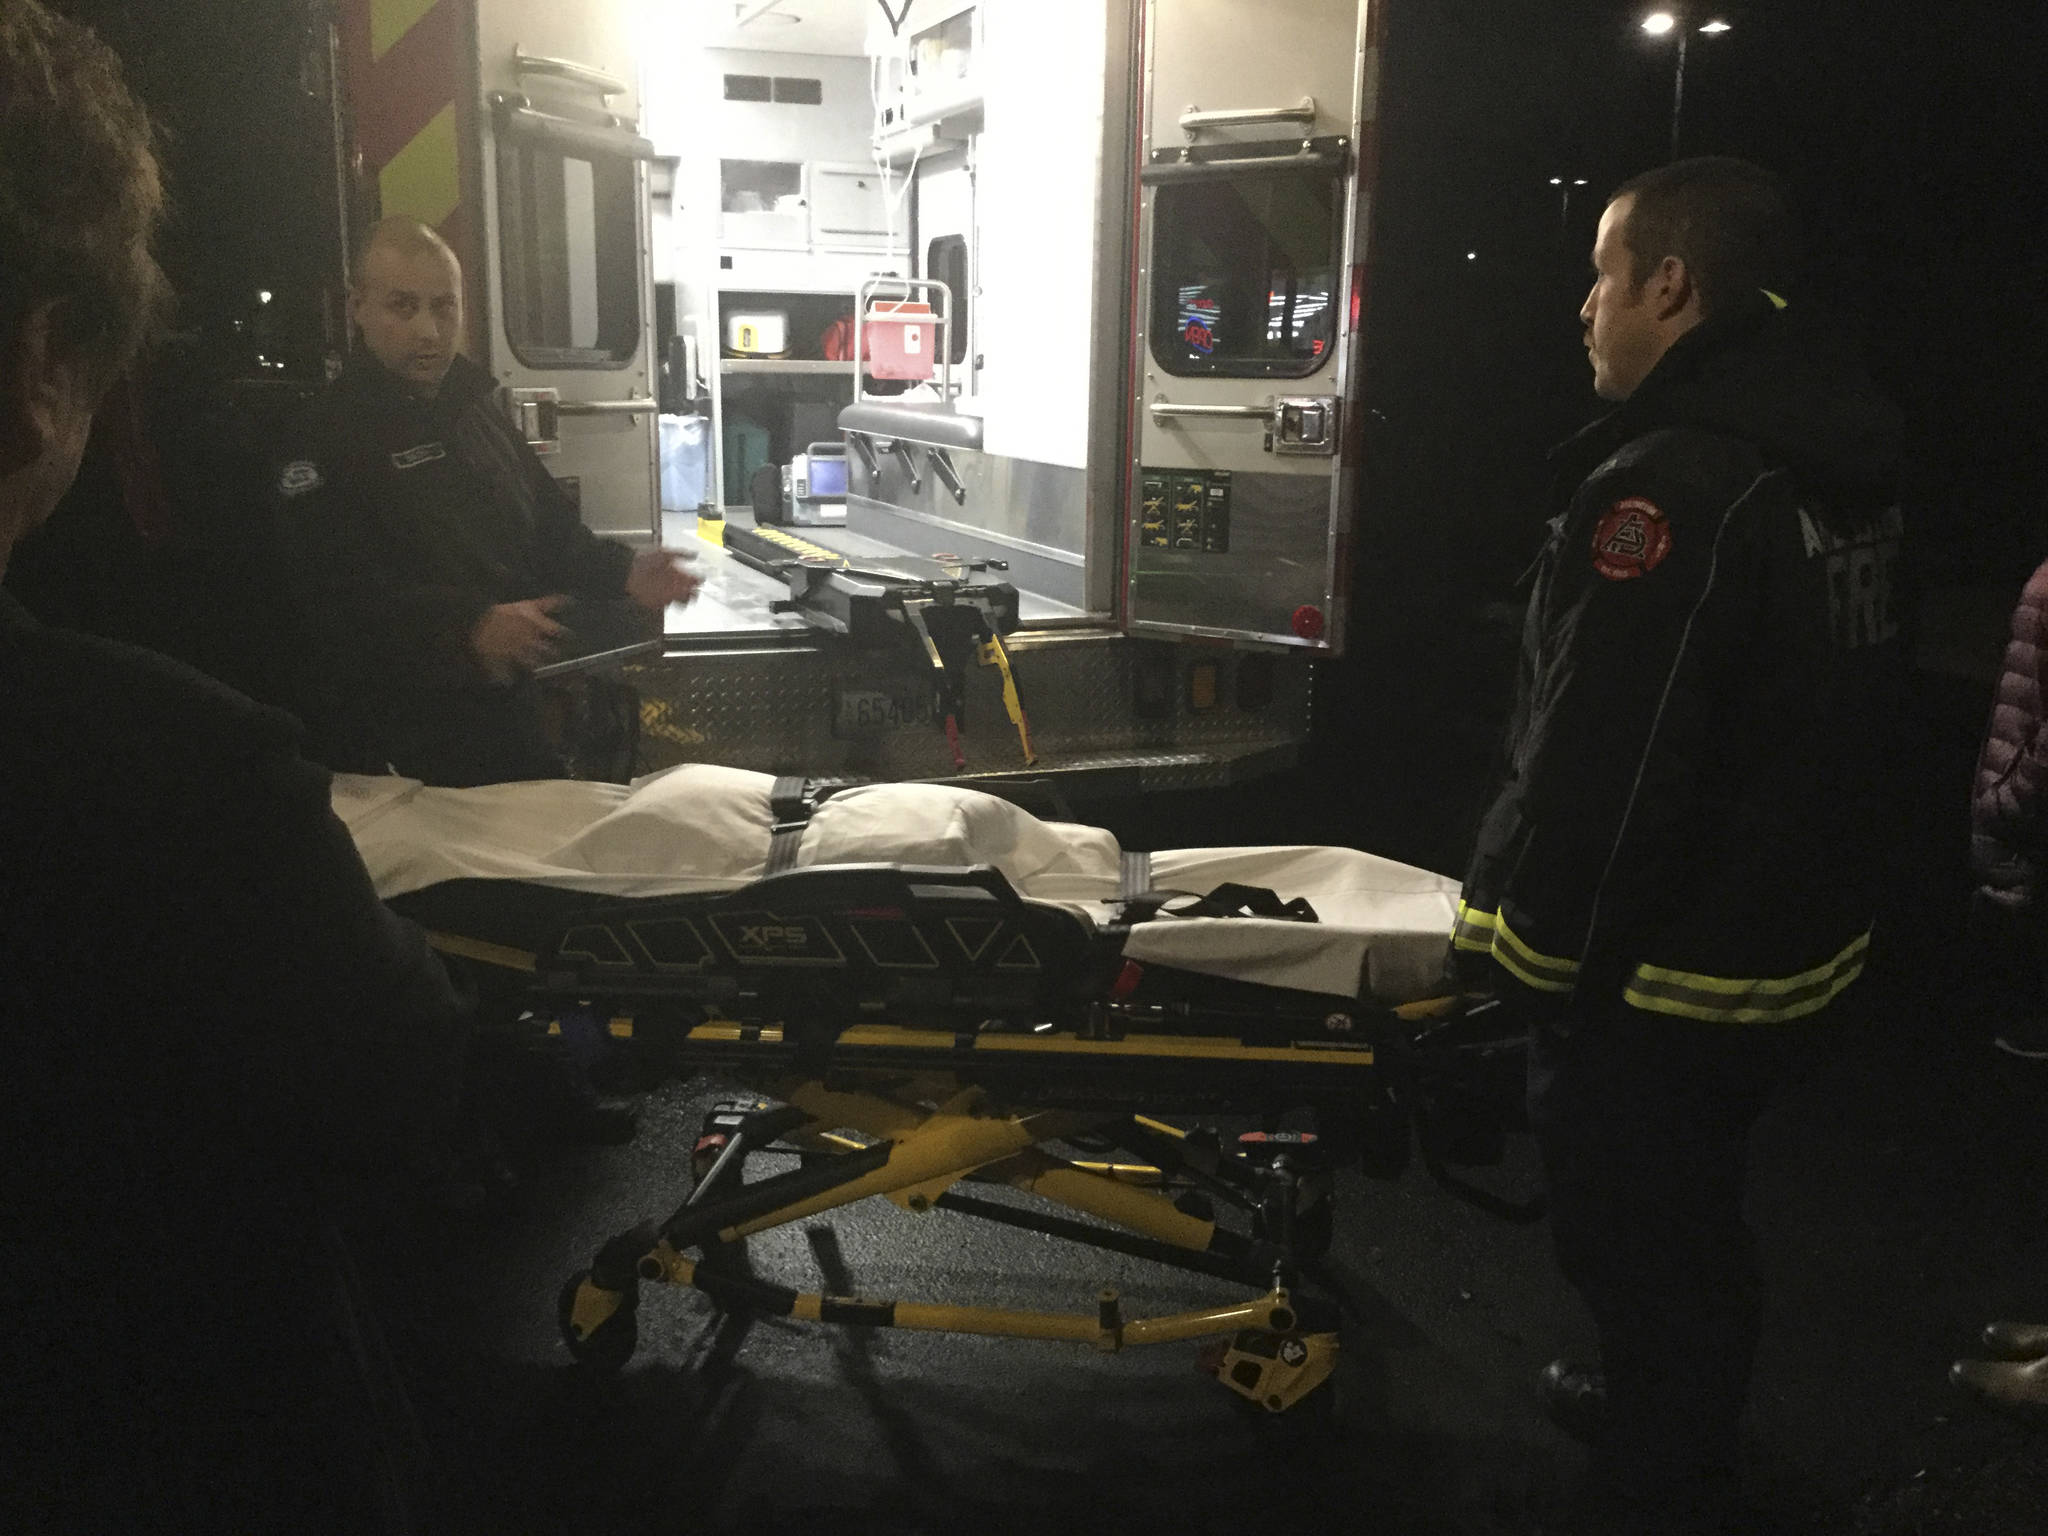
(2008, 827)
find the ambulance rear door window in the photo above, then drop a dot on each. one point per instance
(1245, 273)
(567, 222)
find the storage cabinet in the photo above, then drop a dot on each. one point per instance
(792, 217)
(770, 408)
(767, 408)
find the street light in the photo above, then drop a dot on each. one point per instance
(1564, 202)
(1660, 23)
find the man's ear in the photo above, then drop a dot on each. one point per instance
(33, 386)
(1672, 287)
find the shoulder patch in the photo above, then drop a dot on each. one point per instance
(1630, 540)
(299, 477)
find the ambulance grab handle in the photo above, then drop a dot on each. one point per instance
(567, 69)
(1194, 120)
(1166, 408)
(607, 407)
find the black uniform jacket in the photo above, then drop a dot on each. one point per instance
(401, 521)
(192, 950)
(1690, 814)
(204, 1005)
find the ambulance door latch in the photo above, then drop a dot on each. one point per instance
(1305, 425)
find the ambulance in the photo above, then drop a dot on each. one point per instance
(997, 360)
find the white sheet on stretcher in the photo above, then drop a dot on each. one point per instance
(700, 828)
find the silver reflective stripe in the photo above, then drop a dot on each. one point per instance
(1747, 1000)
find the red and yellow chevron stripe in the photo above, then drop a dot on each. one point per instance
(408, 71)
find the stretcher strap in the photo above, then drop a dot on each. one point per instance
(1231, 900)
(791, 807)
(1235, 900)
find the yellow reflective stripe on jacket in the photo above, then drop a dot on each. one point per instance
(1473, 929)
(1546, 973)
(1487, 933)
(1746, 1000)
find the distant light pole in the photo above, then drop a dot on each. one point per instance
(1661, 24)
(1564, 202)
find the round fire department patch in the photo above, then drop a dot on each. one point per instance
(1631, 540)
(299, 477)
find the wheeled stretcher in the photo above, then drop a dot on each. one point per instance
(935, 995)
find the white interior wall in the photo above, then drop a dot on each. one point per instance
(687, 116)
(836, 129)
(676, 80)
(1036, 201)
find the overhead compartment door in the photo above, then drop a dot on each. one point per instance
(1249, 287)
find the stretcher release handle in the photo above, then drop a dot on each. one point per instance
(993, 655)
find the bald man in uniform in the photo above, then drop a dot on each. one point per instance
(430, 550)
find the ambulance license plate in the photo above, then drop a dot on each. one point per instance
(870, 711)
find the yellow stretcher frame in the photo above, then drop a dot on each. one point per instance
(940, 1128)
(916, 1141)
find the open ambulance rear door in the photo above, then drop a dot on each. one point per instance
(1255, 126)
(512, 126)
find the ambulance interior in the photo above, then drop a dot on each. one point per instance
(822, 167)
(809, 160)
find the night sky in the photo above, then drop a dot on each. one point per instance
(1909, 135)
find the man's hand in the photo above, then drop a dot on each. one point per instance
(659, 577)
(516, 637)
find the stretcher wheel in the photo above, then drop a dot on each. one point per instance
(1306, 1420)
(1312, 1417)
(610, 1345)
(1314, 1228)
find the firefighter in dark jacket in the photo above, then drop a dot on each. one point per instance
(1675, 879)
(428, 546)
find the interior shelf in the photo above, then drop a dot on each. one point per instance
(784, 365)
